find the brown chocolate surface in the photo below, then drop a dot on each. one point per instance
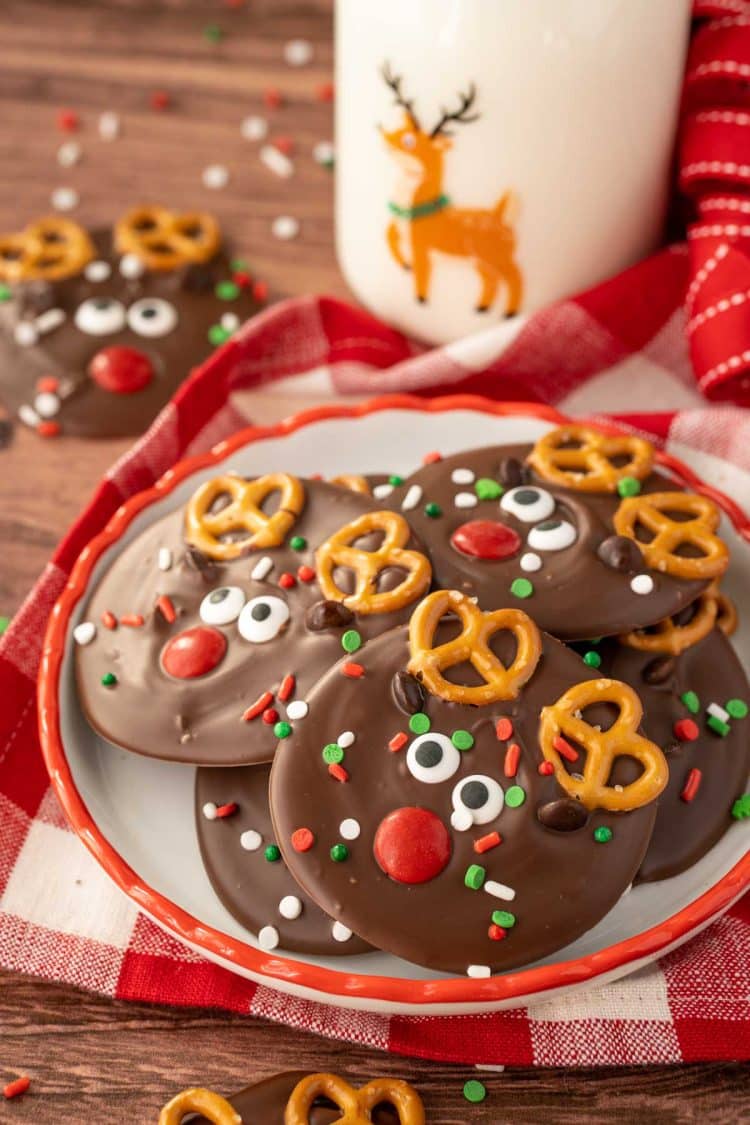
(120, 320)
(265, 1102)
(248, 884)
(685, 830)
(562, 881)
(200, 720)
(576, 595)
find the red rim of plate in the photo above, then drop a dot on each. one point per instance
(334, 983)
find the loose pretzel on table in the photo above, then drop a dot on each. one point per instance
(589, 465)
(356, 1106)
(651, 510)
(204, 529)
(212, 1106)
(165, 240)
(50, 249)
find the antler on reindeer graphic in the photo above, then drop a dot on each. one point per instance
(427, 222)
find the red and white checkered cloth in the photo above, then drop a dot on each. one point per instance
(621, 345)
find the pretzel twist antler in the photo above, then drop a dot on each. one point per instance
(589, 465)
(50, 249)
(197, 1100)
(164, 240)
(650, 511)
(205, 529)
(355, 1106)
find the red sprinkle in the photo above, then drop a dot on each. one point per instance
(48, 384)
(487, 843)
(398, 741)
(160, 99)
(512, 758)
(564, 749)
(338, 772)
(109, 621)
(13, 1089)
(68, 120)
(166, 607)
(692, 785)
(496, 933)
(305, 573)
(48, 429)
(272, 97)
(686, 730)
(284, 144)
(135, 620)
(504, 729)
(302, 840)
(258, 707)
(224, 811)
(354, 671)
(315, 476)
(287, 687)
(287, 581)
(325, 92)
(546, 769)
(270, 716)
(260, 291)
(242, 278)
(432, 458)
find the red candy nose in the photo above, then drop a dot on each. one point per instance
(193, 652)
(486, 539)
(412, 845)
(121, 370)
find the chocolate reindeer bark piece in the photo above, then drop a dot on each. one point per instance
(490, 814)
(202, 639)
(579, 530)
(98, 330)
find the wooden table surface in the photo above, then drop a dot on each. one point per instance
(94, 1060)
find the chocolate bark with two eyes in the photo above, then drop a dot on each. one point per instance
(195, 715)
(266, 1101)
(579, 590)
(685, 830)
(159, 321)
(433, 895)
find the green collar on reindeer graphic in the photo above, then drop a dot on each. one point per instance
(420, 210)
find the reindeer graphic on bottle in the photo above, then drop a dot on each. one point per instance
(425, 222)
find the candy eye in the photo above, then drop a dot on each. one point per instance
(262, 619)
(222, 605)
(552, 535)
(432, 758)
(477, 799)
(528, 504)
(152, 316)
(100, 316)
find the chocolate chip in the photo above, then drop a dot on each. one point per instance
(408, 693)
(38, 297)
(201, 563)
(328, 615)
(197, 278)
(563, 815)
(513, 472)
(658, 670)
(621, 553)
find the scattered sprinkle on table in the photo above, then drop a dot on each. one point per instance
(160, 100)
(324, 154)
(276, 161)
(254, 128)
(285, 227)
(213, 33)
(65, 199)
(474, 1090)
(109, 126)
(68, 120)
(17, 1087)
(215, 176)
(298, 52)
(69, 154)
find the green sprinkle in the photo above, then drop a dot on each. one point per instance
(227, 290)
(521, 588)
(333, 754)
(395, 480)
(109, 679)
(4, 623)
(488, 489)
(462, 740)
(628, 486)
(741, 807)
(298, 542)
(474, 1090)
(691, 701)
(433, 510)
(6, 293)
(474, 877)
(419, 723)
(213, 33)
(218, 335)
(239, 265)
(737, 708)
(515, 796)
(593, 659)
(351, 640)
(339, 852)
(272, 853)
(718, 726)
(282, 729)
(504, 918)
(602, 834)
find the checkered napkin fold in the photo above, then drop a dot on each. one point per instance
(61, 919)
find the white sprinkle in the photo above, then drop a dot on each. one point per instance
(324, 153)
(276, 161)
(164, 559)
(290, 907)
(461, 820)
(131, 266)
(230, 321)
(462, 476)
(412, 498)
(268, 938)
(49, 320)
(530, 562)
(215, 176)
(718, 712)
(346, 739)
(499, 890)
(209, 810)
(465, 500)
(349, 829)
(382, 491)
(495, 1068)
(340, 932)
(109, 126)
(254, 128)
(251, 840)
(298, 52)
(69, 154)
(478, 972)
(98, 271)
(25, 334)
(46, 404)
(64, 199)
(262, 568)
(297, 709)
(84, 633)
(28, 415)
(642, 584)
(285, 227)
